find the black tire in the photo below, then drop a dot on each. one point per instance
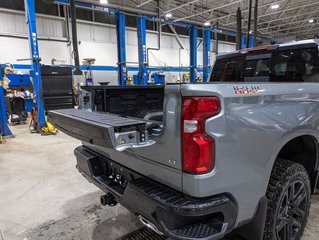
(289, 201)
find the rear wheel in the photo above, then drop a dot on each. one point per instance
(289, 201)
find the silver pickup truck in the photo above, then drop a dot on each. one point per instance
(198, 161)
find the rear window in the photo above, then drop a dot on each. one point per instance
(298, 65)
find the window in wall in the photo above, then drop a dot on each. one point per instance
(84, 14)
(102, 17)
(13, 4)
(46, 8)
(130, 21)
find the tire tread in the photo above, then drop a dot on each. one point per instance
(282, 172)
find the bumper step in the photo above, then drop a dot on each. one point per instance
(170, 212)
(197, 231)
(143, 234)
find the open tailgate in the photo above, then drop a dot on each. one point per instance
(101, 129)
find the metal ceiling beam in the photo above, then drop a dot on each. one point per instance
(181, 6)
(290, 23)
(208, 10)
(298, 27)
(297, 34)
(276, 12)
(246, 10)
(196, 22)
(143, 3)
(293, 16)
(178, 39)
(285, 6)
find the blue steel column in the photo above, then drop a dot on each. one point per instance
(142, 61)
(4, 129)
(36, 66)
(251, 42)
(121, 48)
(206, 53)
(193, 52)
(243, 40)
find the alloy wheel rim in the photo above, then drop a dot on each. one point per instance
(292, 211)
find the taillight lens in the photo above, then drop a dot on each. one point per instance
(198, 147)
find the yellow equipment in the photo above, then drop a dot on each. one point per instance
(49, 129)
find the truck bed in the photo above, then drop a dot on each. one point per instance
(132, 101)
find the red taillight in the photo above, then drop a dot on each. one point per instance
(198, 147)
(258, 49)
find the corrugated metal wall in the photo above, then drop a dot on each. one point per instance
(13, 22)
(97, 41)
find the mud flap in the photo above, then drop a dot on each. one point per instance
(254, 230)
(101, 129)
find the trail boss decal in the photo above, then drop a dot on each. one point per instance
(243, 90)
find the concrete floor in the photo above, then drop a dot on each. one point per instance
(42, 195)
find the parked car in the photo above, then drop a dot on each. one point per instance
(198, 161)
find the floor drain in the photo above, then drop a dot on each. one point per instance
(143, 234)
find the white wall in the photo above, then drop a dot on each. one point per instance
(97, 41)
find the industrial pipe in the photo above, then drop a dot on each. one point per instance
(255, 23)
(77, 70)
(216, 38)
(159, 36)
(239, 30)
(249, 24)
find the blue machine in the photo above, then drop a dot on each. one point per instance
(19, 80)
(135, 80)
(35, 62)
(158, 78)
(4, 129)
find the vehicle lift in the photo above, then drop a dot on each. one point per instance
(35, 73)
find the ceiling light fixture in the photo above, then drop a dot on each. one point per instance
(168, 15)
(207, 23)
(275, 6)
(103, 1)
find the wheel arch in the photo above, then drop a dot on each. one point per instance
(302, 149)
(254, 230)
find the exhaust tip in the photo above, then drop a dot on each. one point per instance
(149, 224)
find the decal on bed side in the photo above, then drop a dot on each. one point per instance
(242, 90)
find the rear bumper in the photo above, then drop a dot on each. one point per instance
(174, 214)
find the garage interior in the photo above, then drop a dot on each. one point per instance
(50, 49)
